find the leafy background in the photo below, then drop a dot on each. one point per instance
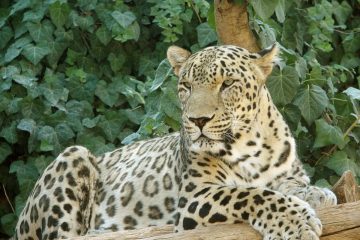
(92, 72)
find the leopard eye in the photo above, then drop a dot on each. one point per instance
(227, 83)
(187, 85)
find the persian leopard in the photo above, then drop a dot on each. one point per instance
(234, 160)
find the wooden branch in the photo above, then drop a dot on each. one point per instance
(340, 222)
(351, 234)
(346, 188)
(232, 24)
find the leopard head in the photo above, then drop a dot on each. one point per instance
(219, 91)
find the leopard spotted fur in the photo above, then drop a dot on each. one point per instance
(234, 160)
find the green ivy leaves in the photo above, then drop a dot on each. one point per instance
(340, 162)
(28, 125)
(312, 101)
(328, 135)
(59, 13)
(162, 72)
(9, 133)
(8, 223)
(5, 151)
(174, 15)
(353, 93)
(106, 93)
(34, 53)
(6, 33)
(205, 34)
(112, 123)
(104, 35)
(284, 87)
(265, 8)
(40, 32)
(124, 19)
(283, 84)
(26, 174)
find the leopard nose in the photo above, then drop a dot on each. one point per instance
(200, 122)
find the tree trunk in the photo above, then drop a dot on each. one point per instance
(232, 25)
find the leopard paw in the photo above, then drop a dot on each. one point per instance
(294, 219)
(320, 197)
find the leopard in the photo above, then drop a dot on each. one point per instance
(234, 160)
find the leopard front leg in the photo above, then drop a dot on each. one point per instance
(315, 196)
(273, 214)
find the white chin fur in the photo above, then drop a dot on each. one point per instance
(206, 145)
(194, 137)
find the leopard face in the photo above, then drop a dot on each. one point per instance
(219, 92)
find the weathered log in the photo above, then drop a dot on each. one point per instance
(346, 189)
(232, 24)
(340, 222)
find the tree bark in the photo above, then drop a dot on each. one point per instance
(340, 222)
(232, 25)
(346, 189)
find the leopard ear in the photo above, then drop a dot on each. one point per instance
(266, 59)
(177, 56)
